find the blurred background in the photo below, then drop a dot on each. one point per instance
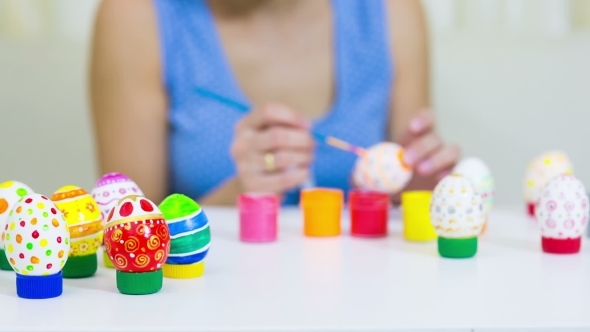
(510, 80)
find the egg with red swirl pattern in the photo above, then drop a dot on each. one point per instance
(137, 238)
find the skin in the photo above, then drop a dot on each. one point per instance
(272, 47)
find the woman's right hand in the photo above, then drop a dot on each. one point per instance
(272, 149)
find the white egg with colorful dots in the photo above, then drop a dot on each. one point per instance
(540, 171)
(36, 237)
(562, 214)
(457, 214)
(110, 188)
(10, 193)
(382, 168)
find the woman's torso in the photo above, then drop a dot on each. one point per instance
(201, 129)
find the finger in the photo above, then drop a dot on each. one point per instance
(441, 161)
(421, 123)
(274, 114)
(421, 148)
(278, 137)
(277, 182)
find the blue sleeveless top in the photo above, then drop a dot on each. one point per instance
(201, 129)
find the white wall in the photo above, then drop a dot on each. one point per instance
(504, 95)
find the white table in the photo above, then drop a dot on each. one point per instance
(336, 284)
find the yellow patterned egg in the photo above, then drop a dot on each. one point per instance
(83, 218)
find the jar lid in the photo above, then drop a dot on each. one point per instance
(258, 201)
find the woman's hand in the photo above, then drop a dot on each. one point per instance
(272, 149)
(425, 151)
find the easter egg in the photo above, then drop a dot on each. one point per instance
(540, 171)
(457, 214)
(110, 188)
(382, 168)
(37, 245)
(137, 240)
(190, 236)
(10, 193)
(481, 176)
(562, 214)
(86, 230)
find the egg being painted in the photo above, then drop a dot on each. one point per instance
(541, 170)
(562, 210)
(110, 188)
(137, 238)
(456, 208)
(83, 218)
(36, 237)
(481, 176)
(382, 168)
(10, 193)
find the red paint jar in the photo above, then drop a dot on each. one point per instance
(369, 213)
(258, 217)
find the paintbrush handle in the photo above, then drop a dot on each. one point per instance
(332, 141)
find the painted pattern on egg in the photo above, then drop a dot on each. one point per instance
(10, 193)
(110, 188)
(137, 238)
(481, 176)
(541, 170)
(456, 208)
(83, 217)
(562, 210)
(36, 237)
(382, 168)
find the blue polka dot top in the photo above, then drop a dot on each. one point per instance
(201, 129)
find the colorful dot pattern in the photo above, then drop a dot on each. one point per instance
(36, 245)
(110, 188)
(382, 168)
(83, 218)
(456, 208)
(481, 177)
(562, 211)
(541, 170)
(10, 193)
(137, 238)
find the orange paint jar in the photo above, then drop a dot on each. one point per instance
(322, 211)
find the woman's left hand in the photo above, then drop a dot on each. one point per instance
(425, 151)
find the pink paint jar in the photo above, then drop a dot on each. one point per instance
(258, 217)
(369, 213)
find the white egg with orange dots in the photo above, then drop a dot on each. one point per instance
(382, 168)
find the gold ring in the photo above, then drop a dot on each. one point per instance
(269, 162)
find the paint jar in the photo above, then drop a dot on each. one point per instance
(416, 216)
(369, 213)
(258, 217)
(322, 210)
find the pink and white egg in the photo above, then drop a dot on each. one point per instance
(382, 168)
(110, 188)
(562, 214)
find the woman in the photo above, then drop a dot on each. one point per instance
(353, 69)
